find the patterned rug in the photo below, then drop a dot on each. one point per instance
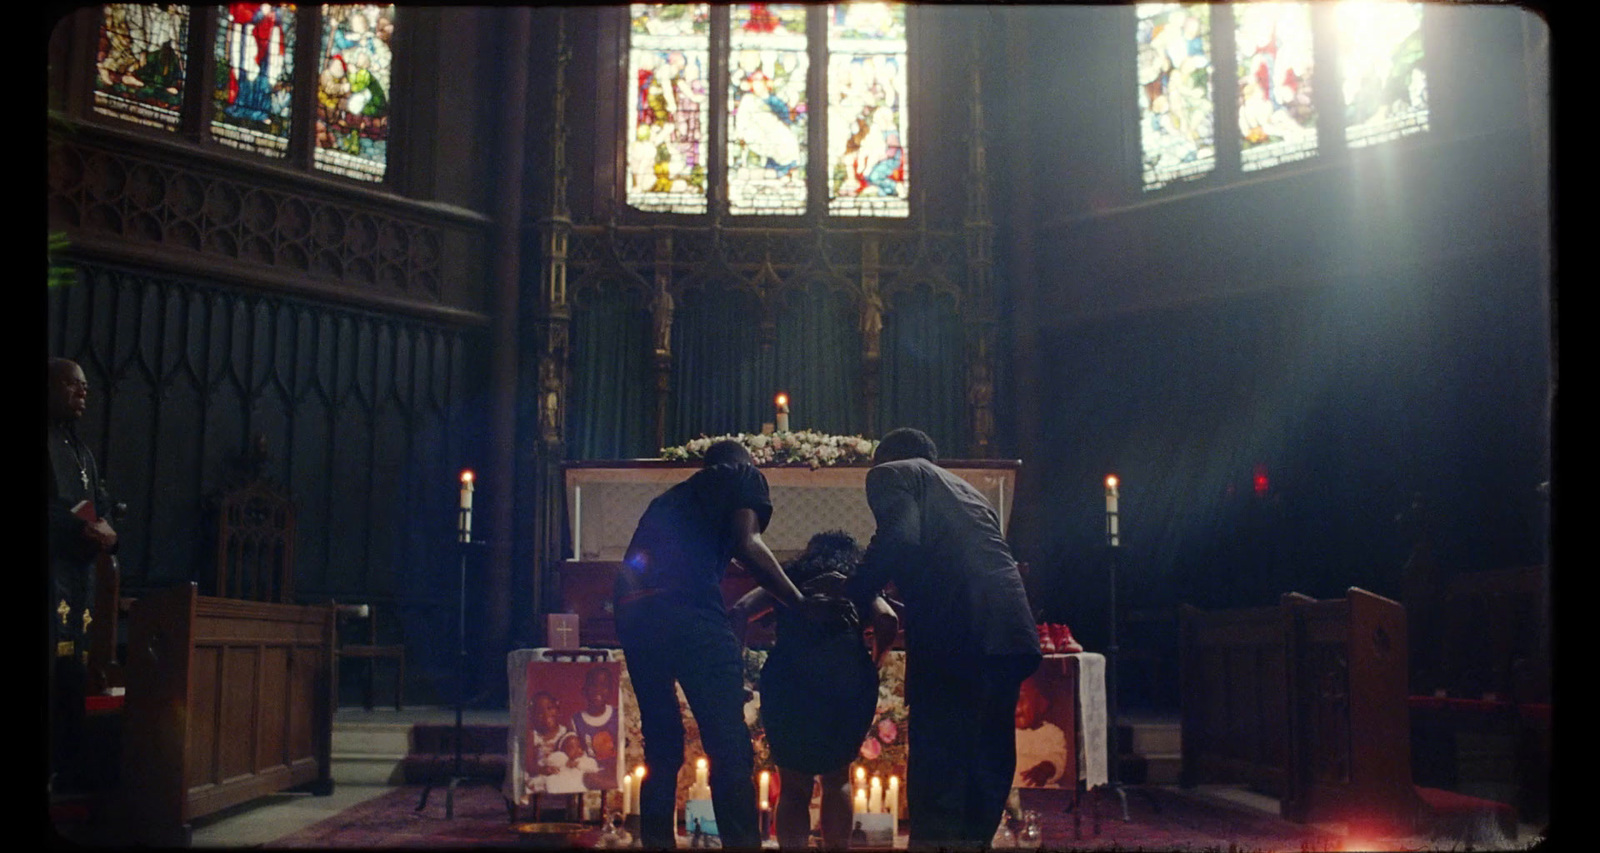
(1159, 819)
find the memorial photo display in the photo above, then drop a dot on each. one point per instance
(1044, 719)
(567, 728)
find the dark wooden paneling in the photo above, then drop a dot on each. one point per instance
(355, 408)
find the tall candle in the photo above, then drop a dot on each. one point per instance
(627, 794)
(861, 776)
(1111, 510)
(766, 782)
(783, 412)
(638, 787)
(861, 801)
(702, 784)
(894, 798)
(464, 524)
(875, 796)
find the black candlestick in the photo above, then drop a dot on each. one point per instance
(463, 547)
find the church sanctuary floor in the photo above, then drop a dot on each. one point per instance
(369, 746)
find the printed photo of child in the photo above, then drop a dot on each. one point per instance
(1042, 753)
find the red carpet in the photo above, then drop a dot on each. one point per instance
(1165, 820)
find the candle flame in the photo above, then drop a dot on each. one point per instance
(783, 399)
(1111, 481)
(638, 772)
(700, 762)
(466, 476)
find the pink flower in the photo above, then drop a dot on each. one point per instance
(871, 749)
(888, 731)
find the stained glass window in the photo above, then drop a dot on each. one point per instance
(253, 82)
(353, 92)
(1176, 125)
(767, 109)
(670, 103)
(1277, 122)
(867, 110)
(1380, 59)
(139, 69)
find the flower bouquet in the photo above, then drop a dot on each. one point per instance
(812, 449)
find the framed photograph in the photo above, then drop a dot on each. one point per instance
(1046, 711)
(567, 735)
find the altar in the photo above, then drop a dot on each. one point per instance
(606, 498)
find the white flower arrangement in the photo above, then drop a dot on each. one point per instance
(812, 449)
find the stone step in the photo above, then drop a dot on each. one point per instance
(1163, 768)
(363, 738)
(1153, 738)
(359, 769)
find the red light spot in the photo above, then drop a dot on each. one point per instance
(1260, 480)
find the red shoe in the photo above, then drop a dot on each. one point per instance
(1047, 642)
(1065, 643)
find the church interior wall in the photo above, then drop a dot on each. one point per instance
(1406, 284)
(1364, 326)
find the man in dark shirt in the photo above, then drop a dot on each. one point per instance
(76, 535)
(970, 638)
(674, 629)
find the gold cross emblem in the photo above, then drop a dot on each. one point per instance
(63, 610)
(86, 620)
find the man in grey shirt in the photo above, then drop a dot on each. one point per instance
(970, 638)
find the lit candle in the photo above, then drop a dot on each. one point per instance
(861, 776)
(861, 801)
(1111, 510)
(783, 412)
(638, 788)
(875, 796)
(465, 522)
(702, 784)
(766, 782)
(894, 799)
(627, 794)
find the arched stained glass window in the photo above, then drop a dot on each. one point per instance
(767, 108)
(669, 75)
(783, 99)
(353, 94)
(139, 70)
(1277, 121)
(1380, 60)
(868, 172)
(1176, 121)
(254, 85)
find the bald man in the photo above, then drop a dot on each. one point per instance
(76, 536)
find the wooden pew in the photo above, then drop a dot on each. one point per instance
(1305, 701)
(227, 700)
(1231, 667)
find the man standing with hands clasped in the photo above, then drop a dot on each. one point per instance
(76, 536)
(674, 629)
(970, 638)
